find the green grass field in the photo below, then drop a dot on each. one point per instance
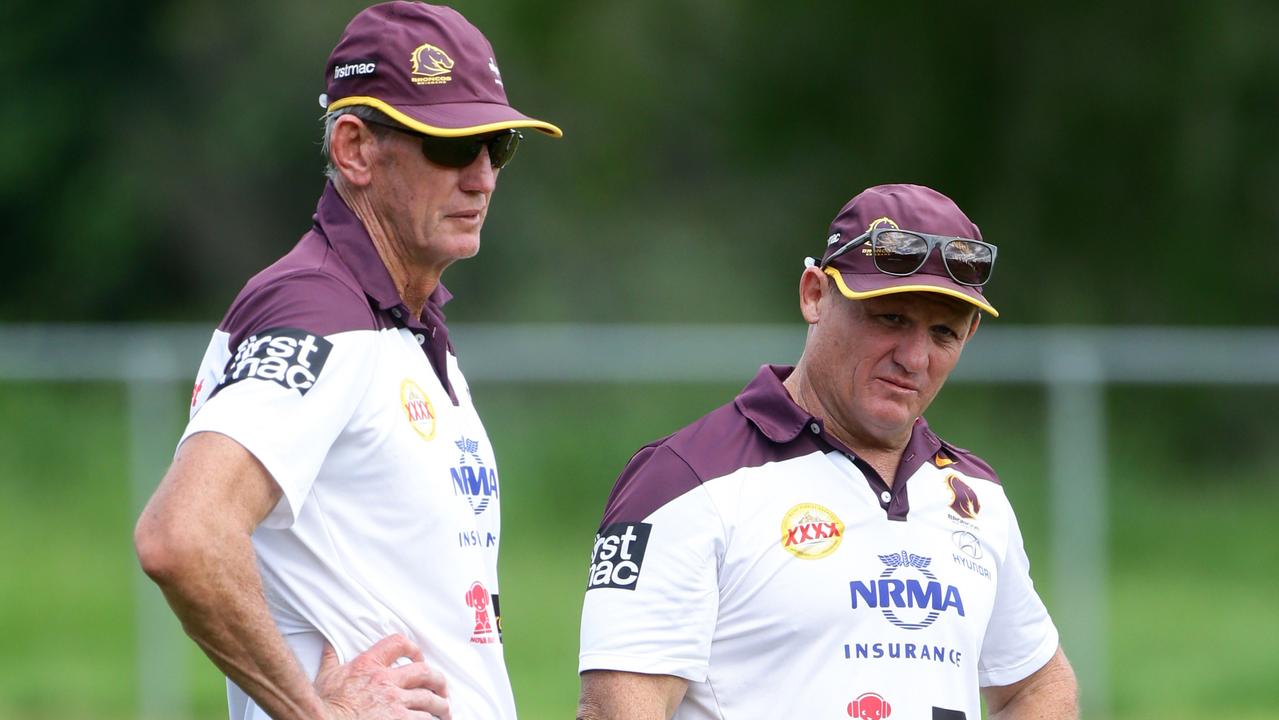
(1193, 615)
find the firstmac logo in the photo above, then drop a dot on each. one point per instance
(618, 556)
(357, 67)
(290, 357)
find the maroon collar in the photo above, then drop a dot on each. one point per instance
(767, 403)
(348, 238)
(922, 447)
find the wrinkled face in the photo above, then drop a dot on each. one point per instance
(877, 364)
(434, 212)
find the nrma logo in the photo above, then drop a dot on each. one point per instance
(906, 601)
(473, 480)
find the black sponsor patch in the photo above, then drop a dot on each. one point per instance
(290, 357)
(497, 616)
(944, 714)
(618, 556)
(354, 67)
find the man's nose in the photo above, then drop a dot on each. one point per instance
(912, 350)
(479, 176)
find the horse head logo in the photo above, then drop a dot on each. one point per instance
(965, 503)
(430, 61)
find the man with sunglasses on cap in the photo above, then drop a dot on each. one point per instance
(813, 549)
(328, 531)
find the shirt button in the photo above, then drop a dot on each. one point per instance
(817, 429)
(886, 496)
(421, 339)
(396, 312)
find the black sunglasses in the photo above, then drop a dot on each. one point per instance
(903, 252)
(459, 152)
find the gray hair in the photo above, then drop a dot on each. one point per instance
(366, 113)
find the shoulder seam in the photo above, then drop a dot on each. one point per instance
(701, 483)
(319, 272)
(666, 446)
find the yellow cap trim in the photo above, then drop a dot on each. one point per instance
(854, 295)
(407, 121)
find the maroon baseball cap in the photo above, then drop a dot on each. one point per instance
(427, 67)
(906, 207)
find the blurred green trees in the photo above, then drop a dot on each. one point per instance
(155, 154)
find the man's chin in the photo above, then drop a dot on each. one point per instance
(464, 246)
(893, 419)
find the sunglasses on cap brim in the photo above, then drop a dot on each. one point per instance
(460, 152)
(904, 252)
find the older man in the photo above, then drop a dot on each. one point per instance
(328, 531)
(813, 549)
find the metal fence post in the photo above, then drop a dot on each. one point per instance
(161, 661)
(1077, 494)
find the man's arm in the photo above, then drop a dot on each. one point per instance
(194, 539)
(1049, 693)
(614, 695)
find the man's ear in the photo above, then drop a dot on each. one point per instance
(814, 285)
(972, 330)
(352, 150)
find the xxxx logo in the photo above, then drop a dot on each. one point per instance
(810, 531)
(417, 409)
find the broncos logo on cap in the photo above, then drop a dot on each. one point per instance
(431, 64)
(867, 249)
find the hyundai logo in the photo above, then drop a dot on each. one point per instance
(967, 542)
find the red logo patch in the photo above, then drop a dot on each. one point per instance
(478, 598)
(869, 706)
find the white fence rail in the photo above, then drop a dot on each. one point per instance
(1073, 363)
(682, 353)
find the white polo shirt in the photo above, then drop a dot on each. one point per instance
(389, 521)
(756, 557)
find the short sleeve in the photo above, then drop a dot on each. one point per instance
(652, 593)
(1020, 637)
(288, 367)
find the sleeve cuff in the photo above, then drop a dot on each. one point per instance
(1013, 673)
(682, 668)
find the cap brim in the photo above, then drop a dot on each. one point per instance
(453, 119)
(860, 287)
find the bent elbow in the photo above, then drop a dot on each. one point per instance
(163, 550)
(152, 551)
